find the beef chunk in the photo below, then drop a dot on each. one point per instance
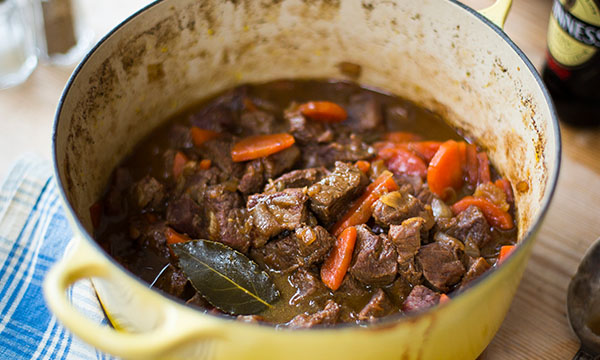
(218, 152)
(352, 288)
(180, 137)
(420, 298)
(374, 261)
(331, 196)
(216, 117)
(306, 131)
(259, 122)
(365, 113)
(308, 287)
(395, 207)
(327, 316)
(346, 148)
(441, 267)
(172, 281)
(114, 200)
(470, 226)
(407, 238)
(424, 194)
(148, 192)
(273, 213)
(150, 235)
(398, 291)
(280, 255)
(314, 243)
(309, 245)
(477, 268)
(377, 307)
(296, 179)
(186, 216)
(261, 170)
(228, 221)
(450, 243)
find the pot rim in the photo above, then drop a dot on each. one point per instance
(527, 237)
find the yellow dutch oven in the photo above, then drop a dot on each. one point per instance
(438, 53)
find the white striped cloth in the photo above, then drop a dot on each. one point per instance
(34, 234)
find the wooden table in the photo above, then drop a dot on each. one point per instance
(536, 326)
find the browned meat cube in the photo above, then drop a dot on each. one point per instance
(365, 113)
(148, 192)
(328, 316)
(420, 298)
(257, 172)
(228, 221)
(395, 207)
(347, 147)
(281, 254)
(441, 267)
(469, 226)
(374, 261)
(407, 238)
(377, 307)
(398, 290)
(275, 212)
(259, 122)
(296, 179)
(186, 216)
(332, 195)
(314, 243)
(172, 281)
(477, 268)
(308, 287)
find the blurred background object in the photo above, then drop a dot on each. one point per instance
(17, 42)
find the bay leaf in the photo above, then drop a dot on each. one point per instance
(228, 279)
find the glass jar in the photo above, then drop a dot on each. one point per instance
(17, 42)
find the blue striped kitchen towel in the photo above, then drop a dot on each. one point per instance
(34, 234)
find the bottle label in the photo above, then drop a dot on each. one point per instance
(574, 34)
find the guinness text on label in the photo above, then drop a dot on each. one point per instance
(576, 28)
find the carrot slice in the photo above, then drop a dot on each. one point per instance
(504, 184)
(471, 165)
(445, 169)
(401, 137)
(493, 214)
(505, 251)
(96, 213)
(444, 298)
(363, 166)
(401, 161)
(425, 149)
(257, 146)
(205, 164)
(173, 237)
(484, 168)
(362, 209)
(179, 162)
(200, 136)
(336, 265)
(325, 111)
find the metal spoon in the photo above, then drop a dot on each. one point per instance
(583, 304)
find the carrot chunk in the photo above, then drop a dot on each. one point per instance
(200, 136)
(362, 208)
(471, 165)
(444, 298)
(257, 146)
(325, 111)
(363, 166)
(179, 162)
(401, 137)
(173, 237)
(205, 164)
(425, 149)
(484, 168)
(445, 169)
(336, 265)
(493, 214)
(505, 251)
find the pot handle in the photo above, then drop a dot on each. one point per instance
(497, 12)
(173, 331)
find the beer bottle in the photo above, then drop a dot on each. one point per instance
(572, 68)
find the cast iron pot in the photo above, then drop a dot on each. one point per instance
(438, 53)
